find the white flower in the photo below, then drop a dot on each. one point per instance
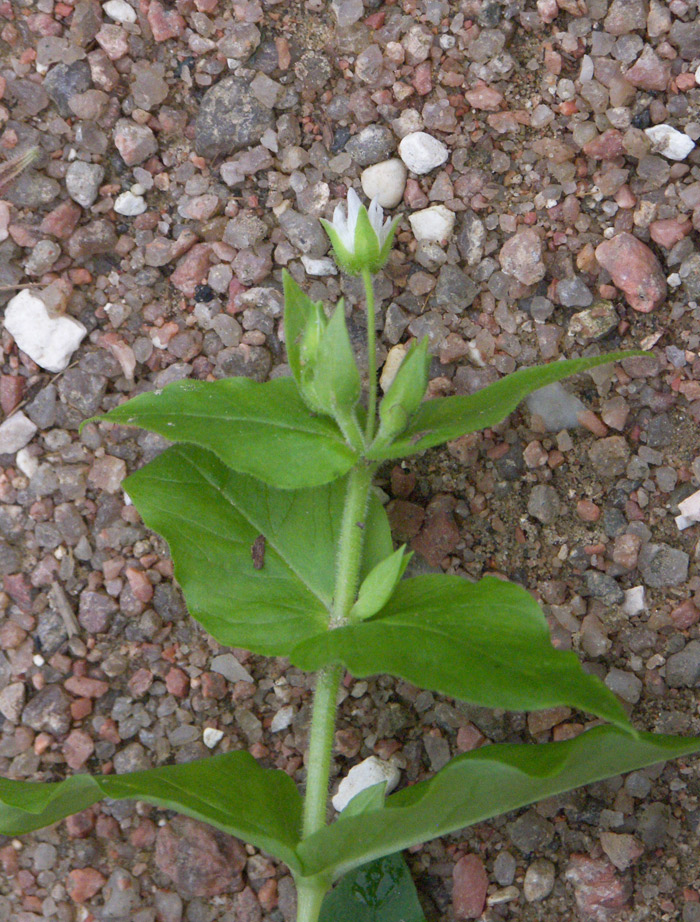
(361, 238)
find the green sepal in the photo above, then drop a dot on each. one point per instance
(379, 584)
(345, 259)
(405, 393)
(334, 380)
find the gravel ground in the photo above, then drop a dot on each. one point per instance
(551, 203)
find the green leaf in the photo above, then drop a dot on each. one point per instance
(231, 792)
(447, 418)
(486, 642)
(378, 585)
(336, 378)
(405, 393)
(211, 516)
(479, 785)
(265, 430)
(381, 891)
(299, 312)
(371, 798)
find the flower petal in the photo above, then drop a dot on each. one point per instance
(376, 216)
(354, 205)
(340, 224)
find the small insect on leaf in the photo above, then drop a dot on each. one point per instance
(257, 552)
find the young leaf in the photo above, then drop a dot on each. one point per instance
(265, 430)
(212, 516)
(479, 785)
(442, 420)
(230, 791)
(369, 799)
(381, 891)
(378, 585)
(486, 642)
(405, 393)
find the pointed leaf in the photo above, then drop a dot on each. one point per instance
(482, 784)
(371, 798)
(265, 430)
(381, 891)
(405, 393)
(447, 418)
(486, 642)
(212, 516)
(230, 791)
(378, 585)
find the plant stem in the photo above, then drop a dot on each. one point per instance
(371, 354)
(310, 891)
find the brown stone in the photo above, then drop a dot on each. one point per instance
(77, 749)
(469, 885)
(84, 883)
(606, 146)
(439, 536)
(648, 72)
(200, 860)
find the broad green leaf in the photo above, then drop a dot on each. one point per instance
(381, 891)
(231, 792)
(211, 517)
(482, 784)
(405, 393)
(265, 430)
(378, 585)
(485, 642)
(447, 418)
(300, 313)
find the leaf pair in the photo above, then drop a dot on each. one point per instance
(263, 807)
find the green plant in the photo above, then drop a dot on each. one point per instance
(293, 460)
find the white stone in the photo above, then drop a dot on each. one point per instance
(26, 462)
(392, 363)
(228, 666)
(673, 144)
(129, 204)
(212, 737)
(15, 432)
(634, 601)
(432, 224)
(368, 773)
(282, 719)
(83, 182)
(119, 11)
(690, 506)
(48, 341)
(421, 152)
(385, 182)
(319, 267)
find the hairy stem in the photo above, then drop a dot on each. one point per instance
(371, 355)
(311, 890)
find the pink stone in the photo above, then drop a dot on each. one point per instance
(648, 72)
(669, 231)
(635, 270)
(200, 861)
(62, 221)
(685, 615)
(177, 682)
(422, 80)
(140, 584)
(84, 883)
(77, 749)
(469, 886)
(484, 97)
(140, 682)
(113, 41)
(521, 257)
(607, 146)
(164, 23)
(85, 687)
(191, 270)
(600, 893)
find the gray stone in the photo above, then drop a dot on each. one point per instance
(121, 897)
(83, 182)
(539, 880)
(240, 41)
(543, 503)
(305, 233)
(574, 293)
(530, 832)
(12, 701)
(438, 750)
(454, 290)
(556, 407)
(625, 685)
(652, 824)
(49, 711)
(609, 456)
(31, 190)
(149, 89)
(348, 12)
(93, 239)
(229, 119)
(228, 666)
(661, 565)
(82, 391)
(249, 361)
(601, 586)
(504, 868)
(683, 668)
(371, 145)
(686, 37)
(132, 758)
(64, 81)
